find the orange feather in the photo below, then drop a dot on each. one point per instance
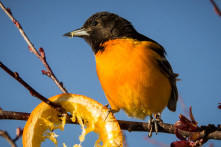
(131, 77)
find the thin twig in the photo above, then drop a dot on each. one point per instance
(31, 47)
(216, 8)
(32, 91)
(11, 141)
(5, 135)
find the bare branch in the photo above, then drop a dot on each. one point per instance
(31, 47)
(32, 91)
(14, 115)
(209, 132)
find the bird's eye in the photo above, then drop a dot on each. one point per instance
(94, 23)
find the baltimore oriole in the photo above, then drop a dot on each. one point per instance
(132, 68)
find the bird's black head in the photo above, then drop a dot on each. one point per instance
(104, 26)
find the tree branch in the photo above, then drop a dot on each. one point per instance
(209, 132)
(31, 47)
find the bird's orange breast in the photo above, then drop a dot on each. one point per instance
(131, 78)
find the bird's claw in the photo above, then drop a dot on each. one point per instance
(154, 122)
(109, 110)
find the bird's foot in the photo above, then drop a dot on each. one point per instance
(158, 117)
(106, 106)
(153, 122)
(109, 110)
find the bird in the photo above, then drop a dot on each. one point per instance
(131, 67)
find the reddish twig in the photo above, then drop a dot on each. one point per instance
(216, 8)
(32, 91)
(197, 136)
(31, 47)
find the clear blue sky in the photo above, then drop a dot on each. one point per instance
(189, 30)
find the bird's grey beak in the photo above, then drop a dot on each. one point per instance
(77, 33)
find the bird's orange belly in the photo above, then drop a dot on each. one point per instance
(132, 80)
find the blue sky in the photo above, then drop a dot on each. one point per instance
(189, 31)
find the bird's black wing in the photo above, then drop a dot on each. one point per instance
(166, 69)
